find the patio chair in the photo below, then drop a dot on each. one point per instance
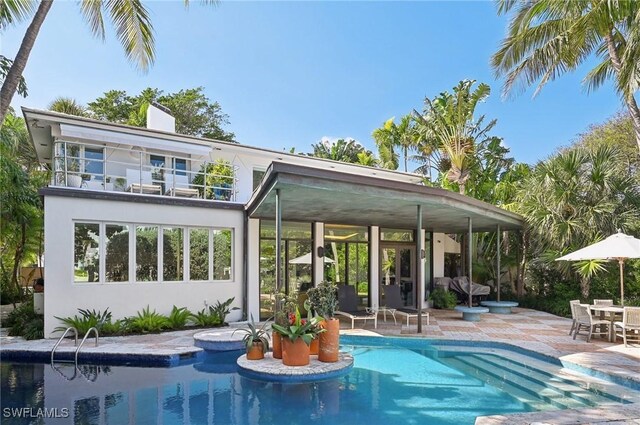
(585, 320)
(460, 285)
(573, 315)
(602, 302)
(630, 325)
(179, 186)
(141, 182)
(348, 306)
(394, 305)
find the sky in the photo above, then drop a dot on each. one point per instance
(291, 73)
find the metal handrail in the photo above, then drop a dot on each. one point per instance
(95, 330)
(71, 328)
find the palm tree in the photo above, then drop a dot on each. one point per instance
(392, 135)
(547, 38)
(447, 129)
(576, 198)
(129, 17)
(67, 105)
(344, 150)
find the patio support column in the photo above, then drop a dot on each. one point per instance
(278, 248)
(374, 266)
(419, 260)
(469, 267)
(498, 249)
(318, 263)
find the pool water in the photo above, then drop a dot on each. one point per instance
(388, 385)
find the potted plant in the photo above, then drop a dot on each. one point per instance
(323, 299)
(296, 338)
(256, 340)
(120, 184)
(286, 306)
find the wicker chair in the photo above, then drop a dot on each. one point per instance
(585, 320)
(630, 325)
(573, 315)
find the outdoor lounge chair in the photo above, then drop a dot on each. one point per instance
(460, 285)
(584, 319)
(141, 182)
(348, 306)
(629, 328)
(179, 186)
(394, 305)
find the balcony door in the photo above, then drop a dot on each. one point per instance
(397, 267)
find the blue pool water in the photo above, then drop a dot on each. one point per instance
(388, 385)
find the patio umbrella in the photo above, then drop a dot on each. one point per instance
(306, 259)
(616, 247)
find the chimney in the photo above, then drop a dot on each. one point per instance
(159, 118)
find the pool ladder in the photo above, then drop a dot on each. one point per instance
(75, 362)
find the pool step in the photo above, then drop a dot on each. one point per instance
(536, 388)
(562, 385)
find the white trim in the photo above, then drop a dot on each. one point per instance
(105, 136)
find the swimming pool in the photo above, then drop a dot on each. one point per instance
(389, 384)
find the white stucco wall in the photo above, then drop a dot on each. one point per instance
(438, 254)
(63, 297)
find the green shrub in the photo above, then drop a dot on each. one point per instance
(179, 317)
(88, 319)
(221, 310)
(443, 299)
(24, 322)
(205, 318)
(146, 321)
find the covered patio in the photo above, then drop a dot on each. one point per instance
(303, 194)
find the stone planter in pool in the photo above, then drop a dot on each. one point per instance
(471, 314)
(499, 307)
(273, 370)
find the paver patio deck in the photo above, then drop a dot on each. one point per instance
(529, 329)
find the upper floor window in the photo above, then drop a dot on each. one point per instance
(258, 174)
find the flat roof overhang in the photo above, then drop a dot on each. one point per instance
(316, 195)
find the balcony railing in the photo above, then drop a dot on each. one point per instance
(112, 169)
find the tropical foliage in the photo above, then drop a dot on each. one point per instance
(391, 136)
(548, 38)
(344, 150)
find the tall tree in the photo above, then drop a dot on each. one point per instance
(67, 105)
(129, 17)
(547, 38)
(195, 114)
(392, 135)
(449, 130)
(344, 150)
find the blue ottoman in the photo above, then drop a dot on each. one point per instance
(499, 307)
(471, 314)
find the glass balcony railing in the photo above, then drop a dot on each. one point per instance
(114, 169)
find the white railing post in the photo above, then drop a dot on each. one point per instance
(204, 182)
(65, 164)
(140, 177)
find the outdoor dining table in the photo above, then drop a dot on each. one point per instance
(612, 311)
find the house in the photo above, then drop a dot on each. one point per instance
(138, 217)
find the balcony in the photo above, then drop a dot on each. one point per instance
(96, 167)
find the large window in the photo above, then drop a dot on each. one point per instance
(199, 254)
(117, 253)
(257, 177)
(346, 258)
(296, 263)
(86, 256)
(147, 253)
(154, 253)
(172, 254)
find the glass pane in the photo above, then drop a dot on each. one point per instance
(388, 264)
(299, 269)
(290, 230)
(257, 177)
(93, 163)
(181, 167)
(222, 248)
(339, 233)
(334, 262)
(86, 252)
(146, 253)
(267, 278)
(172, 254)
(396, 235)
(358, 271)
(117, 253)
(199, 254)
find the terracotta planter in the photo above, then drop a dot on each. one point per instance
(329, 341)
(295, 353)
(255, 351)
(276, 340)
(314, 348)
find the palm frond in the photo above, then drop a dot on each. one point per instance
(134, 30)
